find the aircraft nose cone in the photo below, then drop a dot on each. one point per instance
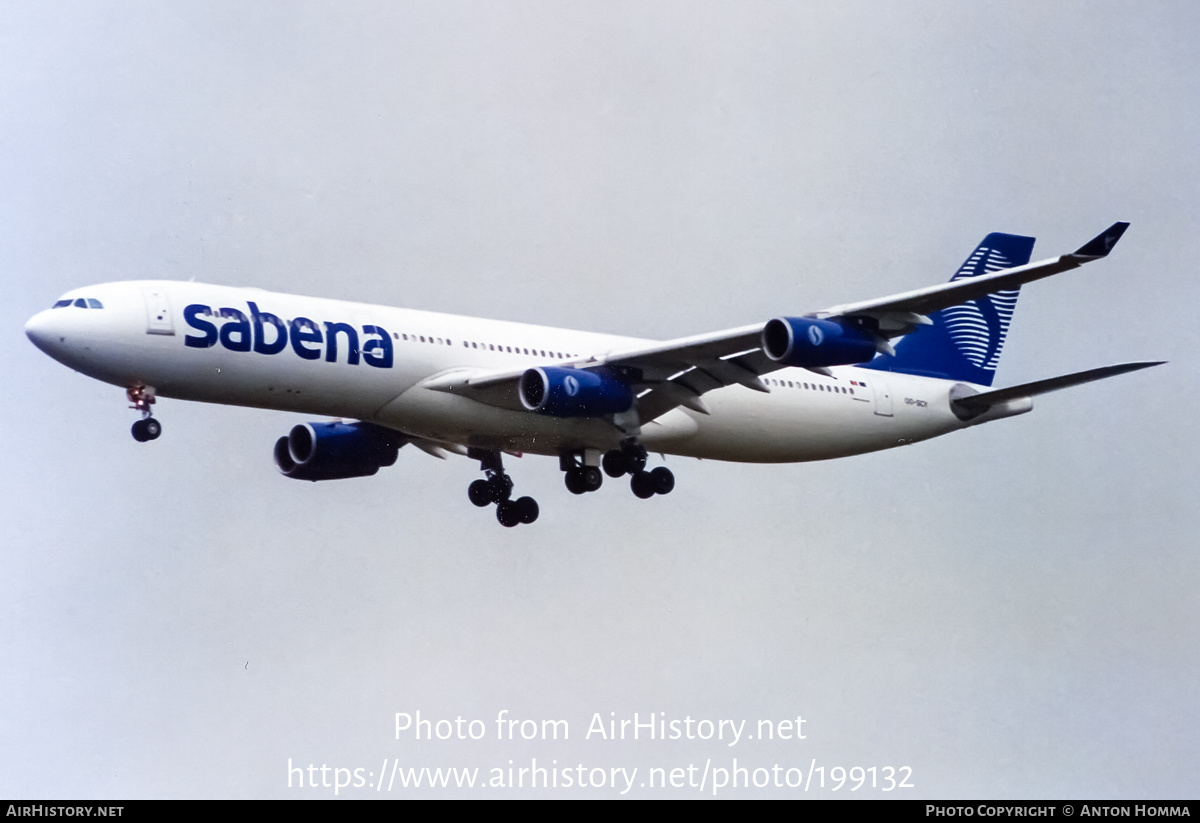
(41, 331)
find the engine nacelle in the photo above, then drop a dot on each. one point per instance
(574, 392)
(808, 342)
(332, 451)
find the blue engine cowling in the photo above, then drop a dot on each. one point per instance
(808, 342)
(332, 451)
(574, 392)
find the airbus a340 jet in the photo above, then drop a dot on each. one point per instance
(813, 387)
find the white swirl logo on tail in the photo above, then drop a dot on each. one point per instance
(979, 327)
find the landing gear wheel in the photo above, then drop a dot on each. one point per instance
(508, 513)
(146, 429)
(480, 493)
(575, 482)
(642, 485)
(635, 461)
(592, 478)
(614, 464)
(662, 481)
(500, 487)
(582, 479)
(527, 509)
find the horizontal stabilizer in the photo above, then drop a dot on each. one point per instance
(977, 403)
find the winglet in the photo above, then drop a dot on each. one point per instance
(1102, 244)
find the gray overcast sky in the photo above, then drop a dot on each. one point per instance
(1010, 611)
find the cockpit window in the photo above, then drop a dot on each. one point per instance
(60, 304)
(79, 302)
(93, 303)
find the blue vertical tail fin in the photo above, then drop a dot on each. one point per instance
(964, 341)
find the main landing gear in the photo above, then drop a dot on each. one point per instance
(141, 398)
(581, 477)
(497, 488)
(581, 471)
(631, 459)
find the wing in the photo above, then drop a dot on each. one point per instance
(901, 313)
(664, 375)
(678, 372)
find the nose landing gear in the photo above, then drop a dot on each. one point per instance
(146, 429)
(497, 488)
(142, 398)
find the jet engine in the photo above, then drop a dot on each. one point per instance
(811, 343)
(332, 451)
(574, 392)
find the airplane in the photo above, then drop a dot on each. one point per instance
(819, 386)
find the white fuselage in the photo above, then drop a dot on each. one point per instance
(249, 347)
